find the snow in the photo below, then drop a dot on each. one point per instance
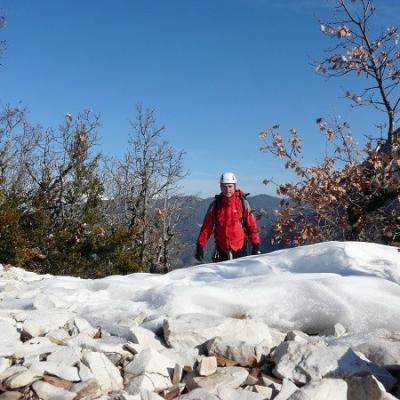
(309, 288)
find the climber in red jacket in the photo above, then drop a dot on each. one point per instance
(229, 217)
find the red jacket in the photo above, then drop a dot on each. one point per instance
(227, 223)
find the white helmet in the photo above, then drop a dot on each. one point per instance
(228, 177)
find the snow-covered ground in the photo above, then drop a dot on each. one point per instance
(309, 288)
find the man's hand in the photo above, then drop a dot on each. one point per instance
(199, 253)
(255, 250)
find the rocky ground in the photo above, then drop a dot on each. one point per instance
(53, 353)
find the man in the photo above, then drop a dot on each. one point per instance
(229, 217)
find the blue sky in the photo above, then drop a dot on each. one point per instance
(217, 71)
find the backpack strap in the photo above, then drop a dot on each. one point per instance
(216, 204)
(244, 203)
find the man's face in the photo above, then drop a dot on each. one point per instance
(227, 189)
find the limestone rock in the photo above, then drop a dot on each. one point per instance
(297, 336)
(288, 388)
(83, 326)
(39, 346)
(84, 372)
(304, 362)
(58, 336)
(33, 329)
(225, 393)
(325, 389)
(46, 391)
(199, 394)
(58, 369)
(244, 354)
(185, 358)
(4, 364)
(9, 333)
(145, 337)
(231, 377)
(191, 330)
(148, 370)
(207, 366)
(23, 378)
(67, 355)
(103, 370)
(11, 371)
(86, 388)
(177, 374)
(11, 395)
(148, 395)
(83, 341)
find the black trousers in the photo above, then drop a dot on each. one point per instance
(222, 255)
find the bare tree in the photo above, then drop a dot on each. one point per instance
(144, 184)
(359, 52)
(3, 43)
(353, 194)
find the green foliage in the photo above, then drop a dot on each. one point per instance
(52, 215)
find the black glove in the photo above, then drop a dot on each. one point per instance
(199, 253)
(255, 250)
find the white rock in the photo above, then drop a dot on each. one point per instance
(225, 393)
(145, 337)
(58, 336)
(177, 374)
(134, 348)
(325, 389)
(185, 358)
(111, 344)
(198, 394)
(86, 388)
(9, 334)
(266, 380)
(149, 360)
(58, 369)
(46, 391)
(191, 330)
(29, 360)
(23, 378)
(148, 370)
(207, 366)
(339, 330)
(148, 395)
(4, 364)
(84, 341)
(304, 362)
(11, 371)
(246, 355)
(33, 329)
(288, 388)
(231, 377)
(35, 347)
(84, 372)
(69, 356)
(11, 396)
(265, 391)
(148, 381)
(297, 336)
(84, 326)
(106, 373)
